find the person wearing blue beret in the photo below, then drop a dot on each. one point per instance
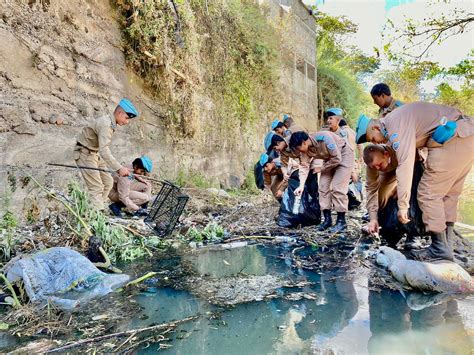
(132, 192)
(273, 175)
(448, 136)
(278, 127)
(92, 150)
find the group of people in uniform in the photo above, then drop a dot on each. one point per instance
(330, 153)
(126, 187)
(439, 137)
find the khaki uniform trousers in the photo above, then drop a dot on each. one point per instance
(138, 194)
(98, 183)
(446, 169)
(334, 184)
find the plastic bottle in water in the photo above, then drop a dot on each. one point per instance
(296, 205)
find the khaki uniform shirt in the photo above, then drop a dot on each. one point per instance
(288, 159)
(393, 105)
(97, 137)
(409, 128)
(349, 135)
(372, 183)
(124, 184)
(267, 178)
(326, 146)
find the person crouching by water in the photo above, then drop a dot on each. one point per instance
(132, 192)
(338, 163)
(381, 189)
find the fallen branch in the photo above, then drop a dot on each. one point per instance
(122, 334)
(131, 230)
(249, 237)
(141, 279)
(69, 208)
(107, 265)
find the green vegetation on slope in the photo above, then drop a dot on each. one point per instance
(225, 50)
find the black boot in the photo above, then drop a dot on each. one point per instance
(116, 209)
(438, 250)
(340, 223)
(450, 233)
(410, 243)
(327, 221)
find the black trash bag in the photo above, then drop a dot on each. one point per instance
(391, 229)
(309, 212)
(354, 201)
(258, 173)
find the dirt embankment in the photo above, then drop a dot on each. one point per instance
(62, 63)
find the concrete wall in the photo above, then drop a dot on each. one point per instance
(298, 73)
(61, 64)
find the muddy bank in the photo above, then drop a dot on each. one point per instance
(228, 270)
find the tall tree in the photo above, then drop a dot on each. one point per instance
(340, 67)
(418, 37)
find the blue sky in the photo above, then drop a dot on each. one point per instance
(394, 3)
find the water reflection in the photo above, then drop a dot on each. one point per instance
(220, 263)
(416, 323)
(345, 317)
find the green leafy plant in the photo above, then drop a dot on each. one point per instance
(119, 244)
(8, 223)
(225, 50)
(212, 232)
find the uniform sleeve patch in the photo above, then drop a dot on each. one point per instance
(331, 146)
(396, 145)
(320, 138)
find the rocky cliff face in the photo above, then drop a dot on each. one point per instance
(62, 63)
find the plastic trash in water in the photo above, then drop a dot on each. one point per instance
(284, 239)
(296, 205)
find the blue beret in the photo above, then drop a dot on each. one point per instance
(361, 129)
(264, 159)
(335, 110)
(147, 164)
(267, 142)
(128, 107)
(285, 117)
(275, 124)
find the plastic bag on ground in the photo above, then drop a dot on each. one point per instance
(309, 210)
(61, 276)
(391, 229)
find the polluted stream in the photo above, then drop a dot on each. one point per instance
(253, 300)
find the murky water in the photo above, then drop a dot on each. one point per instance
(345, 317)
